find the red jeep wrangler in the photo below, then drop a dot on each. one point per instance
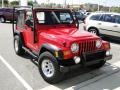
(56, 42)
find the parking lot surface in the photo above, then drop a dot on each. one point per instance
(28, 76)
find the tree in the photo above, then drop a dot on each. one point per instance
(33, 3)
(115, 9)
(14, 3)
(30, 2)
(6, 3)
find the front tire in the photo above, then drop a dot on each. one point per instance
(49, 68)
(18, 45)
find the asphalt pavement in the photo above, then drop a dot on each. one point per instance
(21, 73)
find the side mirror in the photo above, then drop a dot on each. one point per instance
(29, 23)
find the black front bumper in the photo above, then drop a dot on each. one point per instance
(87, 59)
(95, 57)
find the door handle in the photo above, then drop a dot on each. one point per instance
(115, 26)
(99, 23)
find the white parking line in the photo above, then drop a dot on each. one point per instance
(25, 84)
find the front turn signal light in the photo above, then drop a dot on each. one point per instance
(66, 53)
(107, 46)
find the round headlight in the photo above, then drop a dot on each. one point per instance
(98, 43)
(75, 47)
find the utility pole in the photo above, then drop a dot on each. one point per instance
(64, 4)
(99, 2)
(109, 8)
(72, 4)
(98, 6)
(2, 3)
(79, 6)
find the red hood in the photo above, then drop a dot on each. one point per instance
(71, 34)
(67, 35)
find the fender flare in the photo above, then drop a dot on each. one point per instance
(52, 49)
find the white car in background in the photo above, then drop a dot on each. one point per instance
(103, 23)
(65, 17)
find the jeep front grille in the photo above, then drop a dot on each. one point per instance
(87, 46)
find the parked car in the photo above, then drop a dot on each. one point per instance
(6, 14)
(103, 23)
(65, 17)
(57, 44)
(88, 13)
(79, 16)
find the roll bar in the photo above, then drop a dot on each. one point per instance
(23, 8)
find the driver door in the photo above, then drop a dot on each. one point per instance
(27, 31)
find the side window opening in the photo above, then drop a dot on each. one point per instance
(95, 17)
(20, 19)
(29, 18)
(29, 15)
(108, 18)
(41, 17)
(117, 19)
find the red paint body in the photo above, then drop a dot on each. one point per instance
(58, 35)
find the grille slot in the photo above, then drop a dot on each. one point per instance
(87, 46)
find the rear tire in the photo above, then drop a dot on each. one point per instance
(49, 68)
(2, 19)
(94, 31)
(18, 45)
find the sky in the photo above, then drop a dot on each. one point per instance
(101, 2)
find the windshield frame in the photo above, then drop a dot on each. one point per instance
(54, 14)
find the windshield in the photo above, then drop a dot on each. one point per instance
(54, 17)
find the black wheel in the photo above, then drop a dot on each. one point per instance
(18, 45)
(98, 65)
(2, 19)
(94, 31)
(49, 68)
